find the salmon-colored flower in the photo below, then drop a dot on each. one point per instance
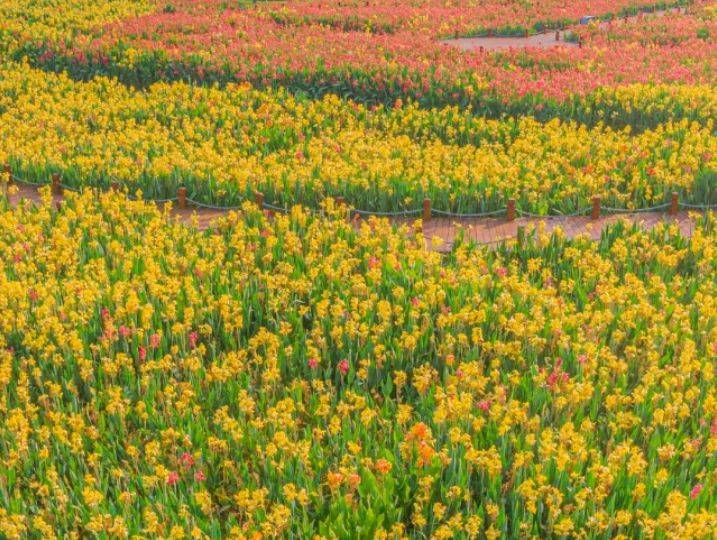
(344, 367)
(172, 478)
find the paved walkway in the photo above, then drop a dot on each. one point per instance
(546, 39)
(444, 230)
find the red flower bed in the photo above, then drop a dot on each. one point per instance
(205, 43)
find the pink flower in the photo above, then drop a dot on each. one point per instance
(313, 362)
(172, 478)
(501, 271)
(32, 293)
(344, 367)
(414, 301)
(713, 428)
(193, 337)
(142, 353)
(105, 313)
(695, 491)
(187, 459)
(199, 476)
(484, 405)
(582, 359)
(124, 331)
(154, 340)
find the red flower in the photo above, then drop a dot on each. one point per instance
(172, 478)
(344, 367)
(199, 476)
(187, 459)
(695, 491)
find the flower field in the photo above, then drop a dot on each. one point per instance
(232, 384)
(286, 372)
(462, 17)
(225, 144)
(208, 42)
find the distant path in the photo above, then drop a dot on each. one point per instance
(546, 39)
(481, 230)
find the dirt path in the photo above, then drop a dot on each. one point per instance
(544, 40)
(441, 232)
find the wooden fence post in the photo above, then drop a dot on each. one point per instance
(510, 210)
(426, 209)
(557, 35)
(114, 186)
(595, 214)
(56, 188)
(182, 198)
(674, 203)
(259, 199)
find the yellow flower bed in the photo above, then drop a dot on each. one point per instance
(60, 20)
(295, 377)
(222, 144)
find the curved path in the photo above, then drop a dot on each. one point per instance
(546, 39)
(441, 232)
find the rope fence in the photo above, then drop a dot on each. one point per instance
(426, 212)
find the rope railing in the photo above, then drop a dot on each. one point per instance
(200, 204)
(580, 212)
(699, 206)
(635, 211)
(478, 215)
(400, 213)
(426, 211)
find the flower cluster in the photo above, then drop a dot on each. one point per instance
(61, 20)
(294, 376)
(207, 43)
(442, 18)
(224, 144)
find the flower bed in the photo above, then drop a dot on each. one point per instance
(293, 376)
(206, 45)
(224, 144)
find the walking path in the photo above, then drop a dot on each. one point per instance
(440, 232)
(546, 39)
